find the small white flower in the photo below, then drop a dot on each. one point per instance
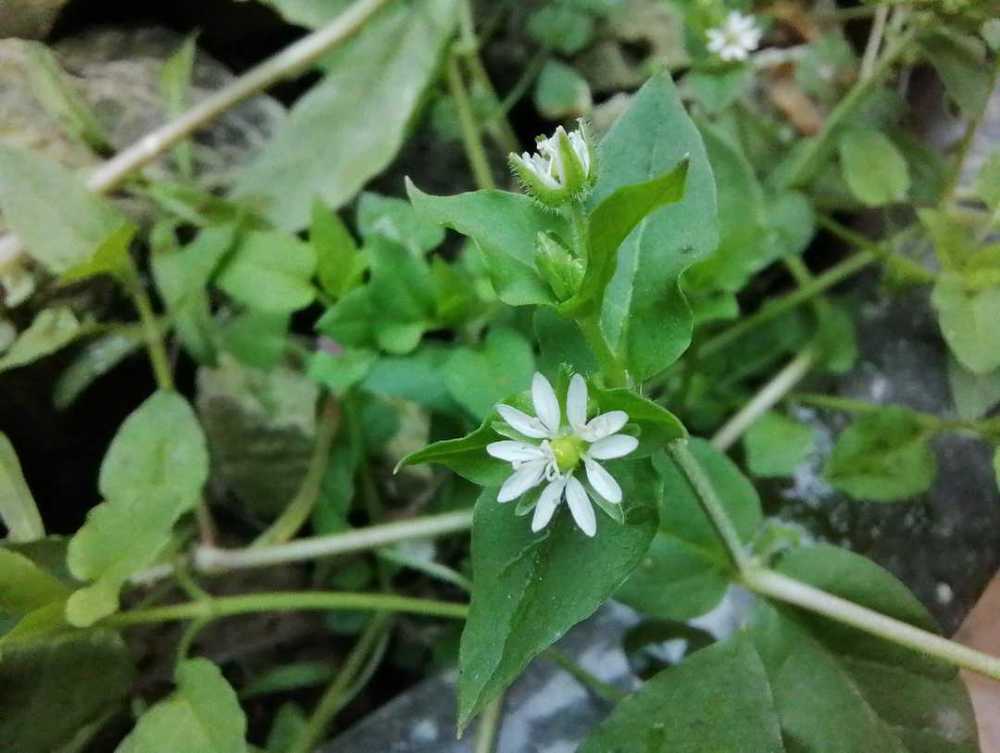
(560, 168)
(736, 38)
(558, 454)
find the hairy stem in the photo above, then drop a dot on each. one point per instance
(288, 62)
(291, 601)
(710, 503)
(781, 587)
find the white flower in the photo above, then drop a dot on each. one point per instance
(736, 38)
(558, 454)
(560, 168)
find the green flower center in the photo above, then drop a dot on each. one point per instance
(567, 452)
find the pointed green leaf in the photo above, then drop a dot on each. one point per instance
(51, 330)
(18, 510)
(645, 317)
(529, 589)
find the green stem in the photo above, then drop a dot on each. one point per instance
(471, 139)
(297, 513)
(614, 372)
(604, 690)
(905, 267)
(806, 162)
(781, 587)
(778, 306)
(334, 698)
(710, 503)
(987, 427)
(151, 332)
(489, 726)
(291, 601)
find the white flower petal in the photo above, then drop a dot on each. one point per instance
(615, 446)
(602, 481)
(716, 41)
(580, 506)
(548, 501)
(604, 425)
(514, 452)
(546, 403)
(576, 402)
(526, 477)
(521, 422)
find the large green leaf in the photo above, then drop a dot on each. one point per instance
(152, 474)
(687, 570)
(962, 64)
(505, 227)
(715, 701)
(18, 510)
(645, 317)
(529, 589)
(57, 219)
(838, 690)
(351, 124)
(50, 689)
(882, 457)
(202, 716)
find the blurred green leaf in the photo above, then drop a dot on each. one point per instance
(338, 265)
(175, 86)
(478, 379)
(202, 715)
(838, 690)
(561, 93)
(776, 445)
(24, 586)
(529, 589)
(110, 258)
(974, 394)
(686, 571)
(645, 318)
(371, 87)
(51, 688)
(338, 372)
(269, 272)
(968, 317)
(51, 330)
(882, 457)
(716, 90)
(182, 278)
(309, 13)
(875, 171)
(152, 474)
(988, 179)
(256, 338)
(560, 27)
(30, 187)
(397, 220)
(402, 294)
(716, 701)
(18, 510)
(960, 60)
(94, 360)
(290, 722)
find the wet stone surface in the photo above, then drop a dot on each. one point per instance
(944, 544)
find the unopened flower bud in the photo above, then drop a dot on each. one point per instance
(561, 270)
